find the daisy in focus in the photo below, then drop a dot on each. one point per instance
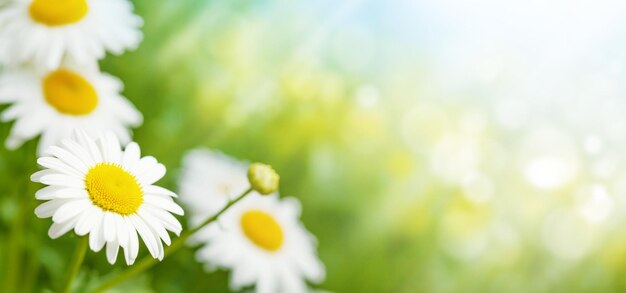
(54, 102)
(47, 31)
(263, 242)
(96, 188)
(260, 238)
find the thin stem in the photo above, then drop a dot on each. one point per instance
(77, 261)
(147, 262)
(16, 238)
(14, 256)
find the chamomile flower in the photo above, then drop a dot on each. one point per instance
(260, 238)
(209, 181)
(54, 102)
(96, 188)
(263, 242)
(47, 31)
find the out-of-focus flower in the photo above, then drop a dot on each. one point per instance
(53, 103)
(96, 188)
(46, 31)
(263, 242)
(260, 238)
(209, 181)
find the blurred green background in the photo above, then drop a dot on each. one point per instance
(435, 146)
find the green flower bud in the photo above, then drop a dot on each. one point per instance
(263, 178)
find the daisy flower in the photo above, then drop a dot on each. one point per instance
(260, 238)
(46, 31)
(263, 242)
(54, 102)
(215, 176)
(96, 188)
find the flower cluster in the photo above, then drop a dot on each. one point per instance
(50, 50)
(261, 238)
(105, 193)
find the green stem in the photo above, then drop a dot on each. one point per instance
(147, 262)
(15, 245)
(14, 256)
(32, 266)
(77, 261)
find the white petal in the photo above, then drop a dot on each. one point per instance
(163, 203)
(71, 209)
(113, 144)
(242, 276)
(62, 180)
(96, 238)
(146, 235)
(121, 230)
(89, 145)
(58, 165)
(88, 221)
(144, 165)
(36, 177)
(310, 266)
(80, 153)
(291, 207)
(152, 175)
(108, 226)
(67, 157)
(112, 250)
(133, 242)
(291, 282)
(47, 209)
(156, 226)
(84, 215)
(130, 158)
(157, 190)
(58, 229)
(59, 192)
(168, 220)
(109, 147)
(266, 282)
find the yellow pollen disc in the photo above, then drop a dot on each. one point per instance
(113, 189)
(58, 12)
(262, 230)
(69, 93)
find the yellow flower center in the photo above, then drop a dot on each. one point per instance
(262, 230)
(69, 93)
(58, 12)
(113, 189)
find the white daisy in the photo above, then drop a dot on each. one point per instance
(96, 188)
(209, 180)
(46, 31)
(53, 103)
(263, 242)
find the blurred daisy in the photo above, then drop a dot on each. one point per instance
(263, 242)
(46, 31)
(209, 181)
(53, 103)
(96, 188)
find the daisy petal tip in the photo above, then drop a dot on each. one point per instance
(34, 178)
(38, 214)
(52, 235)
(179, 211)
(13, 144)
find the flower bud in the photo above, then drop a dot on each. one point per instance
(263, 178)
